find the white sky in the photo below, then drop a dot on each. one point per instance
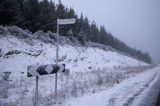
(136, 22)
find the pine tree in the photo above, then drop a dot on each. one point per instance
(102, 35)
(8, 12)
(94, 33)
(53, 17)
(47, 15)
(82, 37)
(61, 12)
(31, 13)
(19, 16)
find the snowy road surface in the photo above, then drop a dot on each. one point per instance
(158, 101)
(132, 91)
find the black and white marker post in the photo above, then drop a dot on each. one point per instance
(60, 22)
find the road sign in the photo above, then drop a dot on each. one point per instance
(66, 21)
(60, 22)
(36, 70)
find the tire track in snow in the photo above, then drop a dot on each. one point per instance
(131, 99)
(130, 93)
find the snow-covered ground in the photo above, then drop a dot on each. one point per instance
(136, 91)
(94, 72)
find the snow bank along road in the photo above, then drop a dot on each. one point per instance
(139, 90)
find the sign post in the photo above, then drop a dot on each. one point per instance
(60, 22)
(36, 70)
(36, 93)
(56, 75)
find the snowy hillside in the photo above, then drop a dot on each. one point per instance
(16, 54)
(92, 69)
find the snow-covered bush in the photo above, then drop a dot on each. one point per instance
(100, 46)
(52, 35)
(99, 79)
(4, 89)
(16, 31)
(74, 40)
(3, 31)
(45, 37)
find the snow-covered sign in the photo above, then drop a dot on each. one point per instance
(66, 21)
(36, 70)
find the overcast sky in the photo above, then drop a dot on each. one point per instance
(135, 22)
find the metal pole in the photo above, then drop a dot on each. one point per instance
(36, 94)
(56, 75)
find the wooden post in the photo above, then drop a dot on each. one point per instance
(36, 93)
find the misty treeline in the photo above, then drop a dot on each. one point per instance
(43, 14)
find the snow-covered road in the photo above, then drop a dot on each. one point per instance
(131, 91)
